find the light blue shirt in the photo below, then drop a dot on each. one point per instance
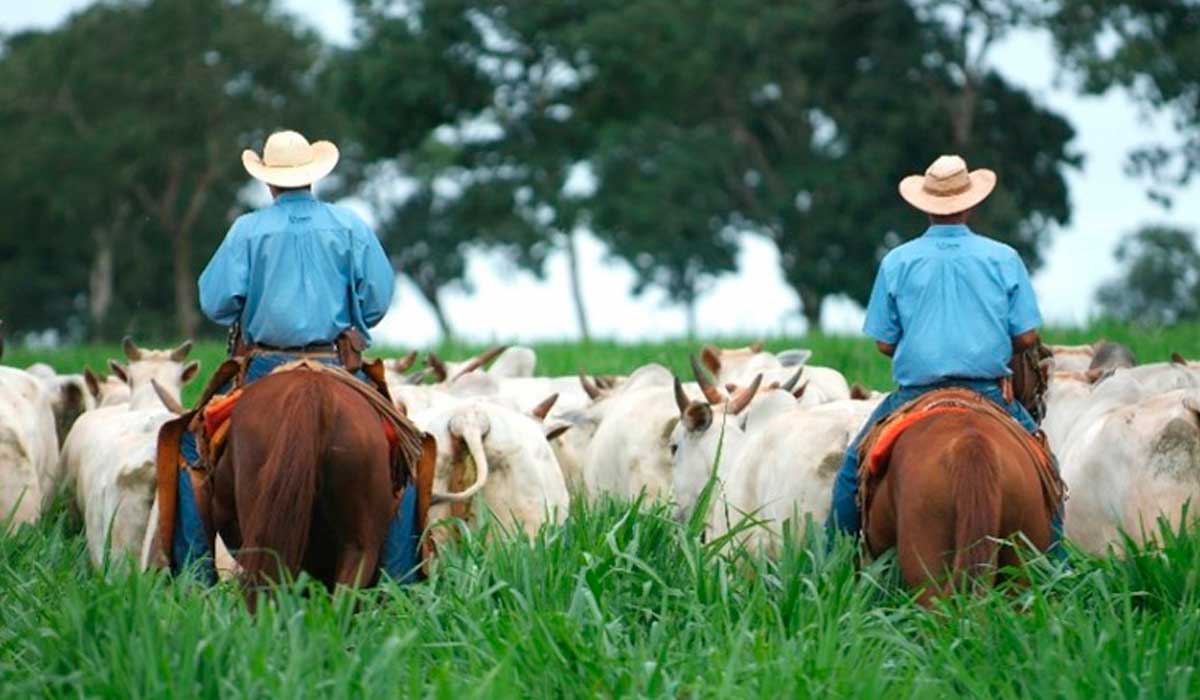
(298, 272)
(951, 302)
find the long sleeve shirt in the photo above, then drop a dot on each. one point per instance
(297, 273)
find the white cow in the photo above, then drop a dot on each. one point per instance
(504, 456)
(1128, 444)
(110, 453)
(28, 447)
(777, 471)
(739, 366)
(68, 394)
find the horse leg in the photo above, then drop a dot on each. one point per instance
(922, 499)
(360, 499)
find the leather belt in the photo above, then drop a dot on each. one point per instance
(313, 348)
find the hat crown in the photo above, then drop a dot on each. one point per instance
(948, 175)
(285, 149)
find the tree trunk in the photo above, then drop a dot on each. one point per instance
(693, 323)
(100, 282)
(185, 285)
(811, 301)
(576, 286)
(433, 296)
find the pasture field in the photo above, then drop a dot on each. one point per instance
(622, 601)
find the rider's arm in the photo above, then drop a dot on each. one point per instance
(1023, 314)
(883, 318)
(376, 279)
(1024, 341)
(224, 282)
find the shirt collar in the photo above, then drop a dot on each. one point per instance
(296, 196)
(947, 231)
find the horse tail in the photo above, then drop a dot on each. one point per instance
(975, 464)
(276, 532)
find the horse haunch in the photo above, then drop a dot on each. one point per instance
(308, 469)
(957, 484)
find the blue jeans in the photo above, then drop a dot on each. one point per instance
(400, 557)
(844, 515)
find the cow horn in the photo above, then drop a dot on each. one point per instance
(1178, 359)
(180, 353)
(132, 351)
(711, 393)
(418, 377)
(742, 399)
(791, 383)
(589, 388)
(481, 360)
(542, 410)
(858, 392)
(756, 347)
(167, 398)
(711, 357)
(405, 363)
(474, 440)
(681, 399)
(433, 362)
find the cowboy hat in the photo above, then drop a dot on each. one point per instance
(289, 160)
(947, 187)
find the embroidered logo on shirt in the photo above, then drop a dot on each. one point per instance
(299, 219)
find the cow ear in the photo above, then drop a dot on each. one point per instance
(120, 370)
(189, 371)
(711, 357)
(92, 382)
(1178, 359)
(698, 417)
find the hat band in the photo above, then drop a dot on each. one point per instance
(311, 159)
(946, 192)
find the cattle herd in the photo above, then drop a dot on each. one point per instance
(775, 425)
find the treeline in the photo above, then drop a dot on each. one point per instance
(665, 127)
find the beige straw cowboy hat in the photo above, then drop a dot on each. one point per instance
(947, 187)
(289, 160)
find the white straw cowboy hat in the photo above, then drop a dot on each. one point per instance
(289, 160)
(947, 187)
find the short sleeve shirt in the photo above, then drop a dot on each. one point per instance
(951, 301)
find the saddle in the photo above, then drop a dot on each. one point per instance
(413, 452)
(875, 452)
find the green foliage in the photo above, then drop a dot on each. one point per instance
(124, 135)
(620, 601)
(1148, 48)
(1159, 282)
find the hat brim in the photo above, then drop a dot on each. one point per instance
(912, 189)
(324, 160)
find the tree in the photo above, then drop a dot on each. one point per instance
(1159, 282)
(129, 119)
(1148, 48)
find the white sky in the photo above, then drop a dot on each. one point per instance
(510, 304)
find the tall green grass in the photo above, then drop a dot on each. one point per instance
(621, 601)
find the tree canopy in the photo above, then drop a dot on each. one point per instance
(1159, 280)
(125, 134)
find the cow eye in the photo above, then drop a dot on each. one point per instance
(674, 449)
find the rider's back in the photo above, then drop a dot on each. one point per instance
(951, 301)
(298, 272)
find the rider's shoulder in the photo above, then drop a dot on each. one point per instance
(346, 216)
(995, 248)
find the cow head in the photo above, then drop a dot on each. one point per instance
(702, 435)
(491, 454)
(145, 367)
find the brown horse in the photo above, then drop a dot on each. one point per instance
(956, 485)
(304, 483)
